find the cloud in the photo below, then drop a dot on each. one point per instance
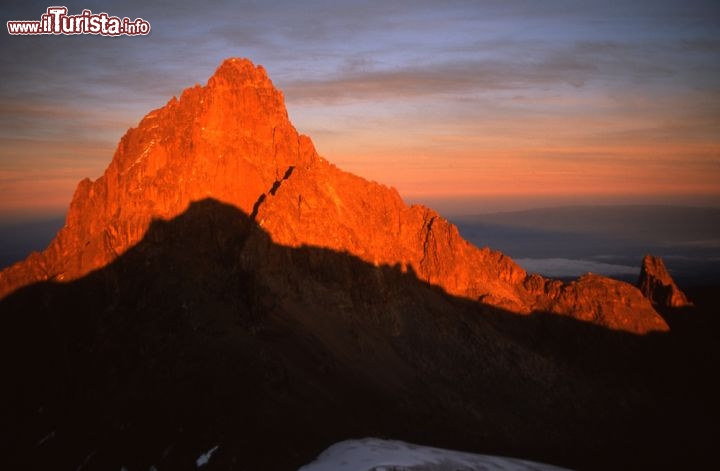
(443, 78)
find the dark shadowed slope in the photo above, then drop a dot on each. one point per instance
(207, 333)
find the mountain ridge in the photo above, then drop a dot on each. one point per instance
(232, 140)
(223, 287)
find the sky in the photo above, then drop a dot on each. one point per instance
(468, 106)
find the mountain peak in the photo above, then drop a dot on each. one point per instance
(249, 84)
(240, 71)
(232, 141)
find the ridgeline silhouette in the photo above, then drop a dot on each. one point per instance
(208, 333)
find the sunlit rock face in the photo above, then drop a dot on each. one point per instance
(231, 140)
(658, 286)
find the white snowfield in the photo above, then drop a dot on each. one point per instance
(374, 454)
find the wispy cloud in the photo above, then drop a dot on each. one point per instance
(445, 78)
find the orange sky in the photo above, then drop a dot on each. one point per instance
(598, 148)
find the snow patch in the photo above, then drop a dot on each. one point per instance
(373, 454)
(144, 154)
(205, 457)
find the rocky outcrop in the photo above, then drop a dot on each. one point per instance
(658, 286)
(231, 140)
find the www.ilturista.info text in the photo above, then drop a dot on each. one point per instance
(57, 21)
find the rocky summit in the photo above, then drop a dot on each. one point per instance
(223, 295)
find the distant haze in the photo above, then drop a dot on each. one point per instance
(567, 242)
(464, 205)
(19, 237)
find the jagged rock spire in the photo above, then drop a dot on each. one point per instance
(658, 286)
